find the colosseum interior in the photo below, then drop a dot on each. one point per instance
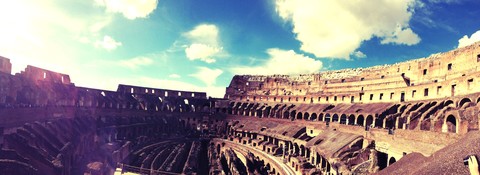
(415, 117)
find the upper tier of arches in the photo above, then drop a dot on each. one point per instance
(449, 74)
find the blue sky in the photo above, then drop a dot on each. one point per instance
(200, 45)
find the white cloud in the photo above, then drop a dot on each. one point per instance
(136, 62)
(402, 35)
(107, 43)
(359, 54)
(204, 33)
(465, 40)
(204, 43)
(282, 62)
(202, 52)
(174, 76)
(335, 29)
(131, 9)
(207, 75)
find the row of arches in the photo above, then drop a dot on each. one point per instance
(288, 150)
(396, 116)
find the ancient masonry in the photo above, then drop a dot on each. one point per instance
(414, 117)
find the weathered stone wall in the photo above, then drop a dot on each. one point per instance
(5, 65)
(55, 127)
(440, 75)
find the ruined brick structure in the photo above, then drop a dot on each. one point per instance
(5, 65)
(361, 120)
(50, 126)
(414, 117)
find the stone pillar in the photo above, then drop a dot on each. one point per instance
(396, 122)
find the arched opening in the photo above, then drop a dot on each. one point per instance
(252, 112)
(343, 119)
(390, 122)
(259, 113)
(278, 114)
(335, 118)
(286, 115)
(369, 120)
(327, 117)
(351, 120)
(328, 167)
(451, 124)
(306, 116)
(313, 117)
(448, 102)
(302, 150)
(463, 101)
(382, 160)
(391, 161)
(292, 115)
(324, 162)
(267, 111)
(320, 117)
(318, 159)
(296, 149)
(299, 116)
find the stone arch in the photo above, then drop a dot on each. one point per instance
(391, 161)
(327, 117)
(279, 113)
(296, 149)
(351, 120)
(463, 101)
(328, 167)
(317, 160)
(252, 112)
(302, 150)
(403, 107)
(451, 124)
(306, 116)
(478, 100)
(343, 119)
(448, 102)
(267, 111)
(293, 115)
(369, 120)
(324, 162)
(259, 113)
(335, 118)
(286, 115)
(299, 116)
(320, 117)
(313, 117)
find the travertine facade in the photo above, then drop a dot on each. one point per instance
(360, 120)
